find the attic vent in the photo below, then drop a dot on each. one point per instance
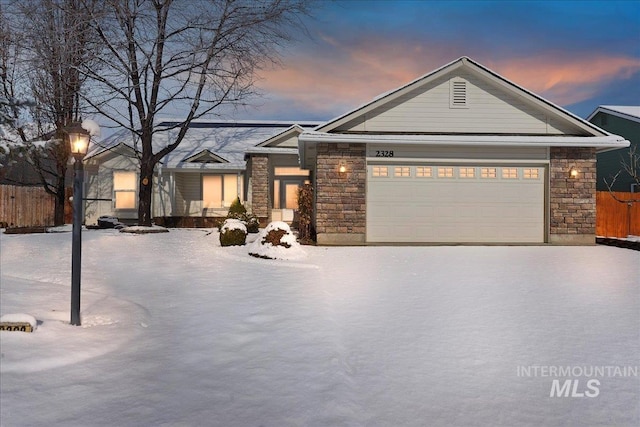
(458, 94)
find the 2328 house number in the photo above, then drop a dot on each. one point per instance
(384, 153)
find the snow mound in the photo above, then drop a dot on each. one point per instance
(233, 224)
(20, 318)
(92, 127)
(139, 229)
(277, 241)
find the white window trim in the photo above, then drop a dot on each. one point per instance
(133, 190)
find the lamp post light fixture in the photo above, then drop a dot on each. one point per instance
(79, 140)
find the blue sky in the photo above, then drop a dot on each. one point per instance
(577, 54)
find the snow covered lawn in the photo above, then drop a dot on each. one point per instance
(179, 331)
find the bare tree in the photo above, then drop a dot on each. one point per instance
(629, 165)
(164, 56)
(54, 45)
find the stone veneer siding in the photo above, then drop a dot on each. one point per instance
(260, 187)
(572, 201)
(340, 197)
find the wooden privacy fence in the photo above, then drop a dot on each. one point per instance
(616, 219)
(25, 206)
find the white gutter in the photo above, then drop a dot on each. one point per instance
(602, 142)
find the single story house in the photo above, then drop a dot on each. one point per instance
(621, 120)
(199, 180)
(459, 155)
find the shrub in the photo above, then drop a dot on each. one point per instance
(237, 210)
(274, 238)
(276, 241)
(305, 214)
(252, 223)
(233, 233)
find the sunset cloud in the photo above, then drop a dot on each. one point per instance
(332, 83)
(567, 81)
(572, 56)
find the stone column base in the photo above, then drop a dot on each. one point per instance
(572, 239)
(341, 239)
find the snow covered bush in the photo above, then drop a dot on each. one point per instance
(276, 241)
(238, 211)
(233, 233)
(252, 223)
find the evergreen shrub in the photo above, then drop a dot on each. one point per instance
(233, 233)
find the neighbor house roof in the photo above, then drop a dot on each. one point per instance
(207, 144)
(629, 112)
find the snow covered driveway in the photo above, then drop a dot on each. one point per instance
(179, 331)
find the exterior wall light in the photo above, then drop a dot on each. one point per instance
(342, 169)
(573, 172)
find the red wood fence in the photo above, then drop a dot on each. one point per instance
(25, 206)
(617, 219)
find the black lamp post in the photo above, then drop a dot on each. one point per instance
(79, 140)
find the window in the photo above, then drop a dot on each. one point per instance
(287, 181)
(467, 172)
(423, 172)
(290, 171)
(488, 173)
(219, 190)
(445, 172)
(458, 93)
(124, 188)
(380, 171)
(530, 173)
(402, 171)
(509, 173)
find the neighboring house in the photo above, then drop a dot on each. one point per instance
(460, 155)
(619, 120)
(202, 176)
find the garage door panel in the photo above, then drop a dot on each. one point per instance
(455, 209)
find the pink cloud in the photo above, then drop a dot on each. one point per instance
(335, 77)
(567, 80)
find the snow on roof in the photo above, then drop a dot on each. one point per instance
(629, 112)
(229, 140)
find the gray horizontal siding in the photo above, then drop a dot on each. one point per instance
(490, 110)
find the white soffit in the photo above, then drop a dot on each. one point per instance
(604, 142)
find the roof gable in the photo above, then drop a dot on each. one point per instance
(285, 139)
(461, 97)
(628, 112)
(205, 156)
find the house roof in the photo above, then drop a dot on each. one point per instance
(221, 144)
(274, 140)
(478, 69)
(629, 112)
(589, 134)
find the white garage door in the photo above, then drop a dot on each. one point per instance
(459, 204)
